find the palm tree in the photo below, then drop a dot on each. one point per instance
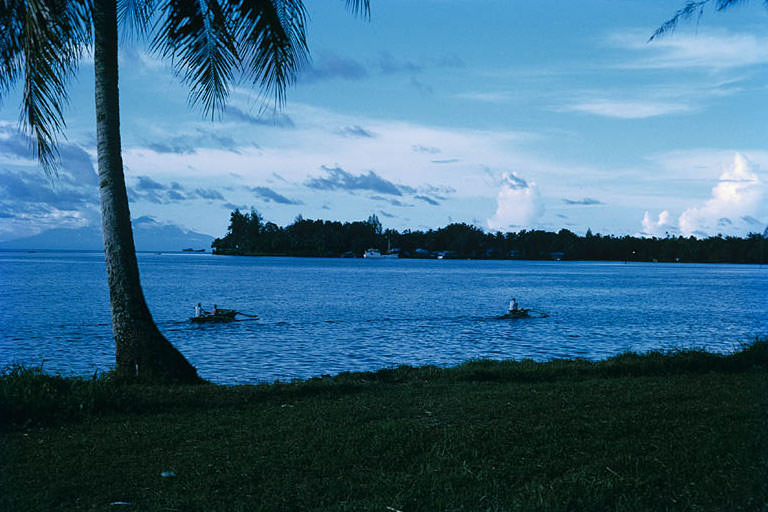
(210, 43)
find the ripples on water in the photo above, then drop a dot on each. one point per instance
(323, 316)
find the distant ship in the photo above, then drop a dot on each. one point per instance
(375, 253)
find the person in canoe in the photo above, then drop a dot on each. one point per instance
(199, 311)
(514, 307)
(217, 314)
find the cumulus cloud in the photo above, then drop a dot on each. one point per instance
(660, 226)
(738, 194)
(518, 204)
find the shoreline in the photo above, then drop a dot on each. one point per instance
(410, 258)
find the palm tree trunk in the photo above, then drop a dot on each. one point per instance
(141, 350)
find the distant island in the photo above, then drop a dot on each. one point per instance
(249, 235)
(148, 235)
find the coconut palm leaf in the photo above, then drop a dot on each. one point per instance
(11, 44)
(198, 37)
(212, 42)
(272, 42)
(41, 42)
(691, 9)
(359, 7)
(134, 17)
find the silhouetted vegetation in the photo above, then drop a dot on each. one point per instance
(249, 234)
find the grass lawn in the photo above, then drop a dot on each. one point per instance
(683, 431)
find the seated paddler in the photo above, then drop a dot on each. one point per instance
(199, 311)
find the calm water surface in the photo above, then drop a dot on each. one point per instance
(331, 315)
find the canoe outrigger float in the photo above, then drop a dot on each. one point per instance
(222, 315)
(518, 313)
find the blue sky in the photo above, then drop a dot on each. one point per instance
(506, 115)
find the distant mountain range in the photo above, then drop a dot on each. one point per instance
(148, 234)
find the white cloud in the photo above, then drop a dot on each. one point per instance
(518, 204)
(738, 194)
(314, 141)
(487, 97)
(628, 109)
(715, 51)
(657, 227)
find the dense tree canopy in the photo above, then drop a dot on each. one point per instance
(248, 234)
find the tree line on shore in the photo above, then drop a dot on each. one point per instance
(250, 234)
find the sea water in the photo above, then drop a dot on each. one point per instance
(325, 316)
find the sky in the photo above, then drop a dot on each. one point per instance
(506, 115)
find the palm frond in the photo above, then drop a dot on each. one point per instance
(134, 16)
(693, 8)
(199, 38)
(48, 41)
(272, 43)
(11, 45)
(687, 11)
(360, 8)
(724, 4)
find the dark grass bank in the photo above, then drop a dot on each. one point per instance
(678, 431)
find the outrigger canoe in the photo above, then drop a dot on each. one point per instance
(222, 315)
(520, 313)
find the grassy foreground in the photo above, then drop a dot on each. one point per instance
(681, 431)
